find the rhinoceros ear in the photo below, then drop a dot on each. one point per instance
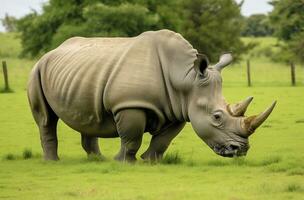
(225, 60)
(201, 63)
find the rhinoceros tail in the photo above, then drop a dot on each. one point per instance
(42, 112)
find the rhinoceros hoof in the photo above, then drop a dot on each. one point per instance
(51, 158)
(96, 157)
(125, 158)
(152, 156)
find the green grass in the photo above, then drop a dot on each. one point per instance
(27, 154)
(9, 156)
(273, 168)
(172, 159)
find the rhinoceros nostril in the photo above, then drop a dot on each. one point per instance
(234, 147)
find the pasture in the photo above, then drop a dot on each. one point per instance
(273, 168)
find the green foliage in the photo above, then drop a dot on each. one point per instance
(9, 156)
(172, 159)
(63, 19)
(213, 26)
(268, 47)
(197, 20)
(257, 26)
(103, 20)
(67, 31)
(37, 30)
(9, 23)
(121, 20)
(27, 154)
(287, 19)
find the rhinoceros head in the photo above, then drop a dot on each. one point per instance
(223, 127)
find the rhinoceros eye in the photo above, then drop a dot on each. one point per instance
(217, 118)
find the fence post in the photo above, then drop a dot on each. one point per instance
(293, 74)
(5, 74)
(248, 73)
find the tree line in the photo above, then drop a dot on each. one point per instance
(211, 26)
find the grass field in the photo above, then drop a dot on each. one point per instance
(273, 168)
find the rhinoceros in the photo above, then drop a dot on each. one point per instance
(126, 86)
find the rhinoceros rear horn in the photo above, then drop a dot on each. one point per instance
(201, 63)
(225, 60)
(253, 122)
(240, 108)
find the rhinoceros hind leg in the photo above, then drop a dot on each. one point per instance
(130, 124)
(44, 116)
(49, 142)
(160, 142)
(90, 145)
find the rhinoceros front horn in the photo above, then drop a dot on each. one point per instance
(253, 122)
(225, 60)
(240, 108)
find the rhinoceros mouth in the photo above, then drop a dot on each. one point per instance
(230, 151)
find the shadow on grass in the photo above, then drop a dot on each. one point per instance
(100, 164)
(96, 158)
(274, 164)
(3, 90)
(241, 161)
(106, 167)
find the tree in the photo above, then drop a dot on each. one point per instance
(287, 18)
(63, 19)
(213, 26)
(37, 31)
(257, 26)
(9, 23)
(104, 20)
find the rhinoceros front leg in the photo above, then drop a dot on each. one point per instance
(130, 124)
(160, 142)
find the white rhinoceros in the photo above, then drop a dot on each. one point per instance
(123, 87)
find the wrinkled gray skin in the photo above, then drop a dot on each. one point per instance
(123, 87)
